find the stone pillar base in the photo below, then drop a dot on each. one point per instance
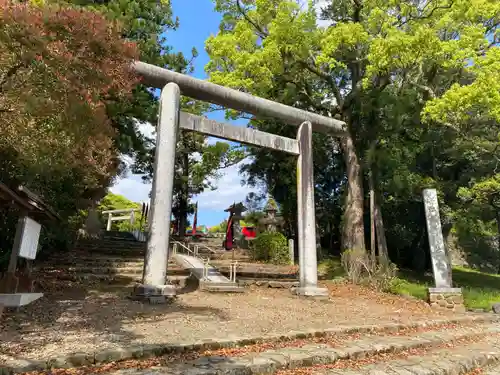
(311, 291)
(450, 299)
(154, 294)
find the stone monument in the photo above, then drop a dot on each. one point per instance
(443, 295)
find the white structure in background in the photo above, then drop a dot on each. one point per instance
(130, 217)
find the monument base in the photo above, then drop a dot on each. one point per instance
(450, 299)
(154, 294)
(310, 291)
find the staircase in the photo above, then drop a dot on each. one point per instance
(118, 259)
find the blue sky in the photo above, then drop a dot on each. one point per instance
(197, 23)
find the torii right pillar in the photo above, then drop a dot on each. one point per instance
(306, 217)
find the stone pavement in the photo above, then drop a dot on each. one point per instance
(469, 347)
(480, 345)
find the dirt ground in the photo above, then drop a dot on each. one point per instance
(73, 317)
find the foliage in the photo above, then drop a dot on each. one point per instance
(331, 268)
(410, 79)
(118, 202)
(271, 247)
(253, 203)
(361, 268)
(219, 228)
(60, 68)
(145, 22)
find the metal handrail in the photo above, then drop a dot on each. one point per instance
(183, 246)
(206, 247)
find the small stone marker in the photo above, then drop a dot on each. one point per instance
(496, 308)
(291, 251)
(443, 295)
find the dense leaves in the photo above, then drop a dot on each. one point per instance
(416, 83)
(271, 247)
(119, 202)
(59, 70)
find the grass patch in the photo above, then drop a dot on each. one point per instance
(331, 268)
(481, 290)
(408, 288)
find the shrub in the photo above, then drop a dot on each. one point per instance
(271, 247)
(362, 269)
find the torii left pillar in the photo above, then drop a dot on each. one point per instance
(154, 279)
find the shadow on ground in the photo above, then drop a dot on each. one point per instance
(72, 309)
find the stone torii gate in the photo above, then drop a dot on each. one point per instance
(171, 119)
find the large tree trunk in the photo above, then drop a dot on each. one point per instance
(353, 232)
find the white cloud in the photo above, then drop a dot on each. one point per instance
(132, 188)
(229, 190)
(147, 130)
(318, 5)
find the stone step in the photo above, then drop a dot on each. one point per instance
(122, 277)
(98, 268)
(94, 258)
(254, 274)
(118, 276)
(229, 287)
(468, 359)
(111, 244)
(93, 270)
(316, 357)
(79, 263)
(268, 283)
(114, 252)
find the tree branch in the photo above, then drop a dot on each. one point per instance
(328, 79)
(410, 17)
(263, 34)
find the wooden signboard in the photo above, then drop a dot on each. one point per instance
(29, 238)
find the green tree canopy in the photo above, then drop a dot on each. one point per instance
(399, 73)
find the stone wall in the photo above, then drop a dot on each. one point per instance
(450, 299)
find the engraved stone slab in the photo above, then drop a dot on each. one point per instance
(440, 261)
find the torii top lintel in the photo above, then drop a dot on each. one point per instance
(157, 77)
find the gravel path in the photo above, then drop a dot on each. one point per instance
(76, 318)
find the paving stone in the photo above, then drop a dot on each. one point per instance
(443, 361)
(268, 362)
